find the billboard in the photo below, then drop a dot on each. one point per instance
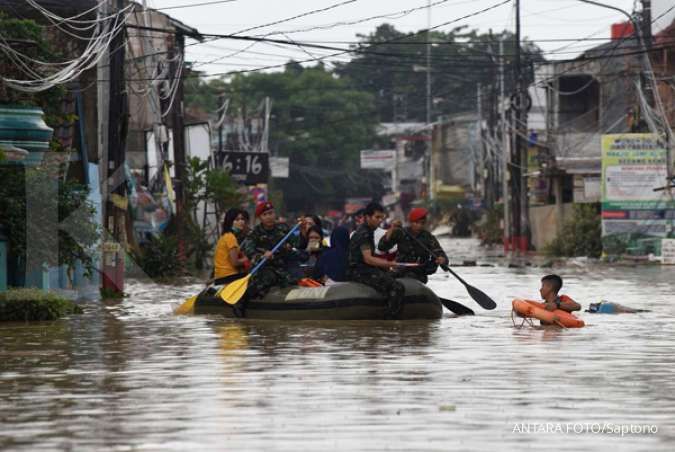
(376, 159)
(634, 217)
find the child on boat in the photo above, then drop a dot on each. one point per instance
(550, 286)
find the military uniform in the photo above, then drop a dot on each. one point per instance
(274, 272)
(241, 235)
(377, 278)
(411, 251)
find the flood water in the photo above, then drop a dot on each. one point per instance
(132, 376)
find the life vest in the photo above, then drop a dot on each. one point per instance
(309, 282)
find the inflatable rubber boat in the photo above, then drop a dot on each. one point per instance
(341, 301)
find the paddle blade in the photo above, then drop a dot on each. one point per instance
(187, 306)
(455, 307)
(232, 293)
(481, 297)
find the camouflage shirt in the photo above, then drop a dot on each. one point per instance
(260, 240)
(240, 235)
(360, 240)
(408, 248)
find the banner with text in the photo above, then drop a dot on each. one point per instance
(634, 217)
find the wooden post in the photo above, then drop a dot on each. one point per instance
(178, 126)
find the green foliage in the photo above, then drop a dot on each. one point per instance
(581, 235)
(56, 207)
(33, 304)
(319, 120)
(205, 184)
(393, 69)
(221, 189)
(26, 36)
(159, 257)
(490, 229)
(201, 93)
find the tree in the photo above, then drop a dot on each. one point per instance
(77, 230)
(392, 67)
(320, 122)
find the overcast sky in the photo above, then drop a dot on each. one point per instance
(542, 21)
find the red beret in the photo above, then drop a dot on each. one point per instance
(417, 214)
(263, 207)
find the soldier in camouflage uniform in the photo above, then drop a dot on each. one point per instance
(373, 271)
(410, 250)
(259, 243)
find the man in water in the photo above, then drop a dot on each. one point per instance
(259, 243)
(550, 286)
(366, 268)
(413, 244)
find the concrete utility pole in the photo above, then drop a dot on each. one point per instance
(519, 179)
(221, 102)
(647, 23)
(159, 129)
(114, 248)
(431, 180)
(506, 152)
(482, 167)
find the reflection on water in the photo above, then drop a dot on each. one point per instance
(131, 376)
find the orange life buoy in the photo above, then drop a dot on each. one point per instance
(536, 310)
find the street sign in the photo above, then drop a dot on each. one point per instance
(668, 251)
(279, 166)
(251, 167)
(385, 159)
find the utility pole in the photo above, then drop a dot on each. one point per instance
(158, 129)
(115, 185)
(431, 180)
(506, 152)
(647, 23)
(177, 124)
(221, 102)
(482, 169)
(516, 181)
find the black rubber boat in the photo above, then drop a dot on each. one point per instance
(343, 301)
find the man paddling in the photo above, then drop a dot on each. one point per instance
(259, 242)
(414, 243)
(366, 268)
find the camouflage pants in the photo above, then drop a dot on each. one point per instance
(266, 278)
(419, 275)
(384, 283)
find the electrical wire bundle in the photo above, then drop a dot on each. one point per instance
(43, 75)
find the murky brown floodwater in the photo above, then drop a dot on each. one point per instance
(132, 376)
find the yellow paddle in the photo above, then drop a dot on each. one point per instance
(187, 306)
(232, 293)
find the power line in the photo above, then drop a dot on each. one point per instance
(194, 4)
(288, 19)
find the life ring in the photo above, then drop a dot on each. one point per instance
(536, 310)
